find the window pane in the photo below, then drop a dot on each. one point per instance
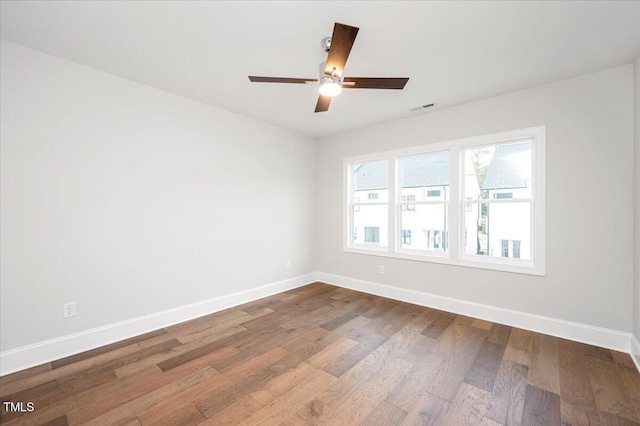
(498, 230)
(498, 172)
(425, 177)
(371, 182)
(371, 234)
(426, 228)
(370, 225)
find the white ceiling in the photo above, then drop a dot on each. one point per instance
(453, 52)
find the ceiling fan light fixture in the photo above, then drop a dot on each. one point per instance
(330, 86)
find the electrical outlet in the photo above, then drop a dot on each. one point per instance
(69, 310)
(287, 264)
(382, 269)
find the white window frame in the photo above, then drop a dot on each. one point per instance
(456, 206)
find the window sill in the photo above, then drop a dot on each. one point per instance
(495, 264)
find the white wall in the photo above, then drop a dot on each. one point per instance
(588, 197)
(129, 200)
(636, 206)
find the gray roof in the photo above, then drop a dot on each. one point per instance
(373, 176)
(427, 170)
(510, 167)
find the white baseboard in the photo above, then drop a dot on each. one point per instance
(635, 351)
(50, 350)
(606, 338)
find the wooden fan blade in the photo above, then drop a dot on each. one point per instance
(341, 43)
(323, 103)
(375, 83)
(256, 79)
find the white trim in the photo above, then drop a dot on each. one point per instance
(635, 351)
(39, 353)
(598, 336)
(493, 263)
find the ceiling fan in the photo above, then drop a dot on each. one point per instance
(331, 80)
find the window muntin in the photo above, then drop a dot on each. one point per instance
(470, 209)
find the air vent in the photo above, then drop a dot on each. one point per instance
(418, 108)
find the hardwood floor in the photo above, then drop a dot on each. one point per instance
(322, 355)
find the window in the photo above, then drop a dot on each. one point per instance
(408, 207)
(503, 195)
(371, 235)
(510, 248)
(516, 249)
(475, 202)
(505, 247)
(436, 240)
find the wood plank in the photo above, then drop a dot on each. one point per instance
(612, 420)
(126, 405)
(58, 421)
(68, 370)
(482, 324)
(575, 383)
(344, 362)
(599, 353)
(233, 414)
(29, 372)
(623, 359)
(175, 405)
(427, 409)
(385, 414)
(345, 318)
(234, 339)
(212, 405)
(332, 352)
(572, 415)
(519, 346)
(541, 407)
(608, 389)
(508, 394)
(439, 325)
(278, 386)
(468, 406)
(485, 366)
(356, 407)
(347, 384)
(287, 404)
(544, 364)
(311, 413)
(499, 334)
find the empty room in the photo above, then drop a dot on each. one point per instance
(320, 213)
